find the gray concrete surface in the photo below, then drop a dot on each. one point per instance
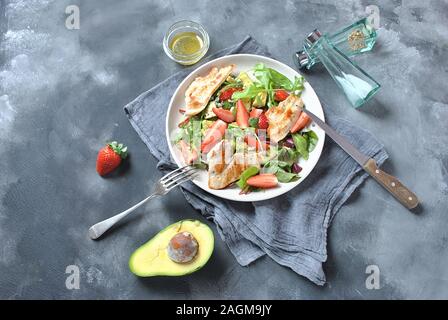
(61, 97)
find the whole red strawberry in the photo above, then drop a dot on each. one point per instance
(110, 157)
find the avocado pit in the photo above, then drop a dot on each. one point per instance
(158, 257)
(183, 247)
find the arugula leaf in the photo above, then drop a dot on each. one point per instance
(267, 80)
(298, 84)
(301, 144)
(231, 83)
(271, 99)
(249, 172)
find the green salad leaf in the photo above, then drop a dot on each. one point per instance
(268, 76)
(235, 131)
(270, 168)
(288, 156)
(190, 131)
(305, 142)
(262, 75)
(284, 176)
(301, 144)
(226, 105)
(248, 93)
(279, 80)
(312, 139)
(201, 165)
(249, 172)
(298, 84)
(231, 83)
(281, 169)
(268, 80)
(253, 122)
(178, 137)
(271, 100)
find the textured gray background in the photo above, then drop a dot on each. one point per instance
(61, 97)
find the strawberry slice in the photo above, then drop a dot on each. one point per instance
(223, 114)
(183, 122)
(263, 122)
(242, 116)
(227, 94)
(301, 122)
(189, 155)
(259, 145)
(255, 113)
(213, 136)
(280, 95)
(263, 180)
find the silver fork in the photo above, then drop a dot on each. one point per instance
(162, 187)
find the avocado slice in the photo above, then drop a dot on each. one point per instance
(152, 258)
(209, 110)
(260, 99)
(205, 125)
(245, 79)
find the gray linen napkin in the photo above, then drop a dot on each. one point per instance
(292, 228)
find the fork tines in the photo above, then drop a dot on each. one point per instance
(178, 176)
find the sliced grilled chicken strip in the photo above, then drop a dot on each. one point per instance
(282, 117)
(200, 91)
(225, 168)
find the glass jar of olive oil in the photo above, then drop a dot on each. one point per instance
(186, 42)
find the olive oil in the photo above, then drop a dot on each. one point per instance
(186, 43)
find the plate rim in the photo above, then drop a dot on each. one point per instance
(205, 65)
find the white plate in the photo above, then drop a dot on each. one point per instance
(244, 62)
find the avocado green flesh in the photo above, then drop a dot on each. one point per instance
(260, 99)
(151, 259)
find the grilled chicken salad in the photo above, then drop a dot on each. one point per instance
(247, 128)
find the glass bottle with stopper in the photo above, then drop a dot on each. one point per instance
(352, 40)
(356, 84)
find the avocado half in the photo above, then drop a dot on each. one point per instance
(151, 259)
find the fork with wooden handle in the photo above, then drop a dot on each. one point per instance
(162, 187)
(390, 183)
